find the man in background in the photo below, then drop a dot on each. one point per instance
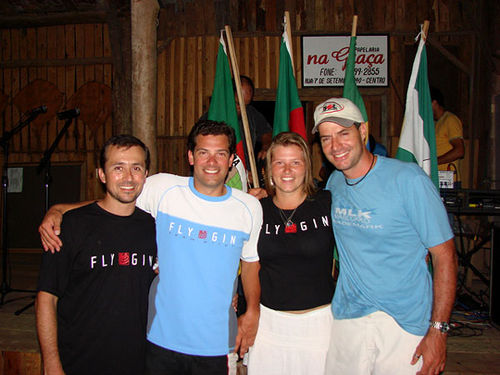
(449, 133)
(260, 130)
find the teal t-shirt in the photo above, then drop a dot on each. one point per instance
(383, 227)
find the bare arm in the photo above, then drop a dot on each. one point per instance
(258, 193)
(457, 152)
(433, 346)
(249, 321)
(50, 228)
(46, 325)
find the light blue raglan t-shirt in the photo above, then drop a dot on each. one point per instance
(201, 240)
(383, 227)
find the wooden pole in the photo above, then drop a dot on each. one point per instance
(244, 118)
(288, 30)
(144, 74)
(425, 30)
(354, 25)
(119, 30)
(353, 34)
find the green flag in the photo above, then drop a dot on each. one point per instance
(288, 112)
(351, 91)
(417, 142)
(222, 104)
(223, 108)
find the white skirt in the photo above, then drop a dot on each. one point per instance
(291, 344)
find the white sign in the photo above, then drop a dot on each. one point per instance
(324, 60)
(15, 178)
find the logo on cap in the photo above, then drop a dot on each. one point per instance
(330, 107)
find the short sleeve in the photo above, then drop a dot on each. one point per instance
(454, 127)
(55, 269)
(249, 253)
(426, 211)
(153, 190)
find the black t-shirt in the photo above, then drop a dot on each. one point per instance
(102, 277)
(296, 268)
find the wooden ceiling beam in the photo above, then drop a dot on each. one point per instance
(36, 20)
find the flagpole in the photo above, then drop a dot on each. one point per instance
(354, 25)
(425, 30)
(244, 118)
(352, 92)
(288, 30)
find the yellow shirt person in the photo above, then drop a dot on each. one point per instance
(449, 134)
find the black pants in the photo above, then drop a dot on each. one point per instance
(161, 361)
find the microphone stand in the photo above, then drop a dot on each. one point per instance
(45, 166)
(4, 143)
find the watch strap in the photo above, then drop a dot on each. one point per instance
(443, 327)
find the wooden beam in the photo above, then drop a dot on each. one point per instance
(36, 20)
(119, 29)
(144, 74)
(433, 42)
(55, 62)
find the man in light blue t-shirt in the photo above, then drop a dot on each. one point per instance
(203, 229)
(390, 316)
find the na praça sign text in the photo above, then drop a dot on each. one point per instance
(324, 60)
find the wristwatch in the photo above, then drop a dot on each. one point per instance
(443, 327)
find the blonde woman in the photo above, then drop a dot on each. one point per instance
(296, 254)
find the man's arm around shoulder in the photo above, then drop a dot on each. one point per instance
(50, 228)
(46, 325)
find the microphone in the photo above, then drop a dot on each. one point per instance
(38, 110)
(70, 113)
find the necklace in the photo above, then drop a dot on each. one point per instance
(362, 178)
(290, 226)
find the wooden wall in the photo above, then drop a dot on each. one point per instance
(67, 57)
(188, 40)
(62, 67)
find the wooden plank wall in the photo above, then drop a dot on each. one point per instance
(69, 56)
(189, 39)
(63, 58)
(186, 69)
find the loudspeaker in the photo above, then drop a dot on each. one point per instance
(495, 275)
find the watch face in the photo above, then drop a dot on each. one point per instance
(443, 327)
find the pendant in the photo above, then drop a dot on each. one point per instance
(290, 227)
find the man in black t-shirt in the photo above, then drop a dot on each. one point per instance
(92, 301)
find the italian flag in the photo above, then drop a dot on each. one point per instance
(288, 112)
(417, 142)
(222, 104)
(351, 91)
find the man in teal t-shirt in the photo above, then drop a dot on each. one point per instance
(390, 317)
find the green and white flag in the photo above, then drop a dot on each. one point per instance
(417, 142)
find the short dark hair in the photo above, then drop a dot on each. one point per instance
(245, 80)
(437, 95)
(126, 141)
(209, 127)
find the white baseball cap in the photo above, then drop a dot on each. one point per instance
(341, 111)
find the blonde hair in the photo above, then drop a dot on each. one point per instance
(290, 139)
